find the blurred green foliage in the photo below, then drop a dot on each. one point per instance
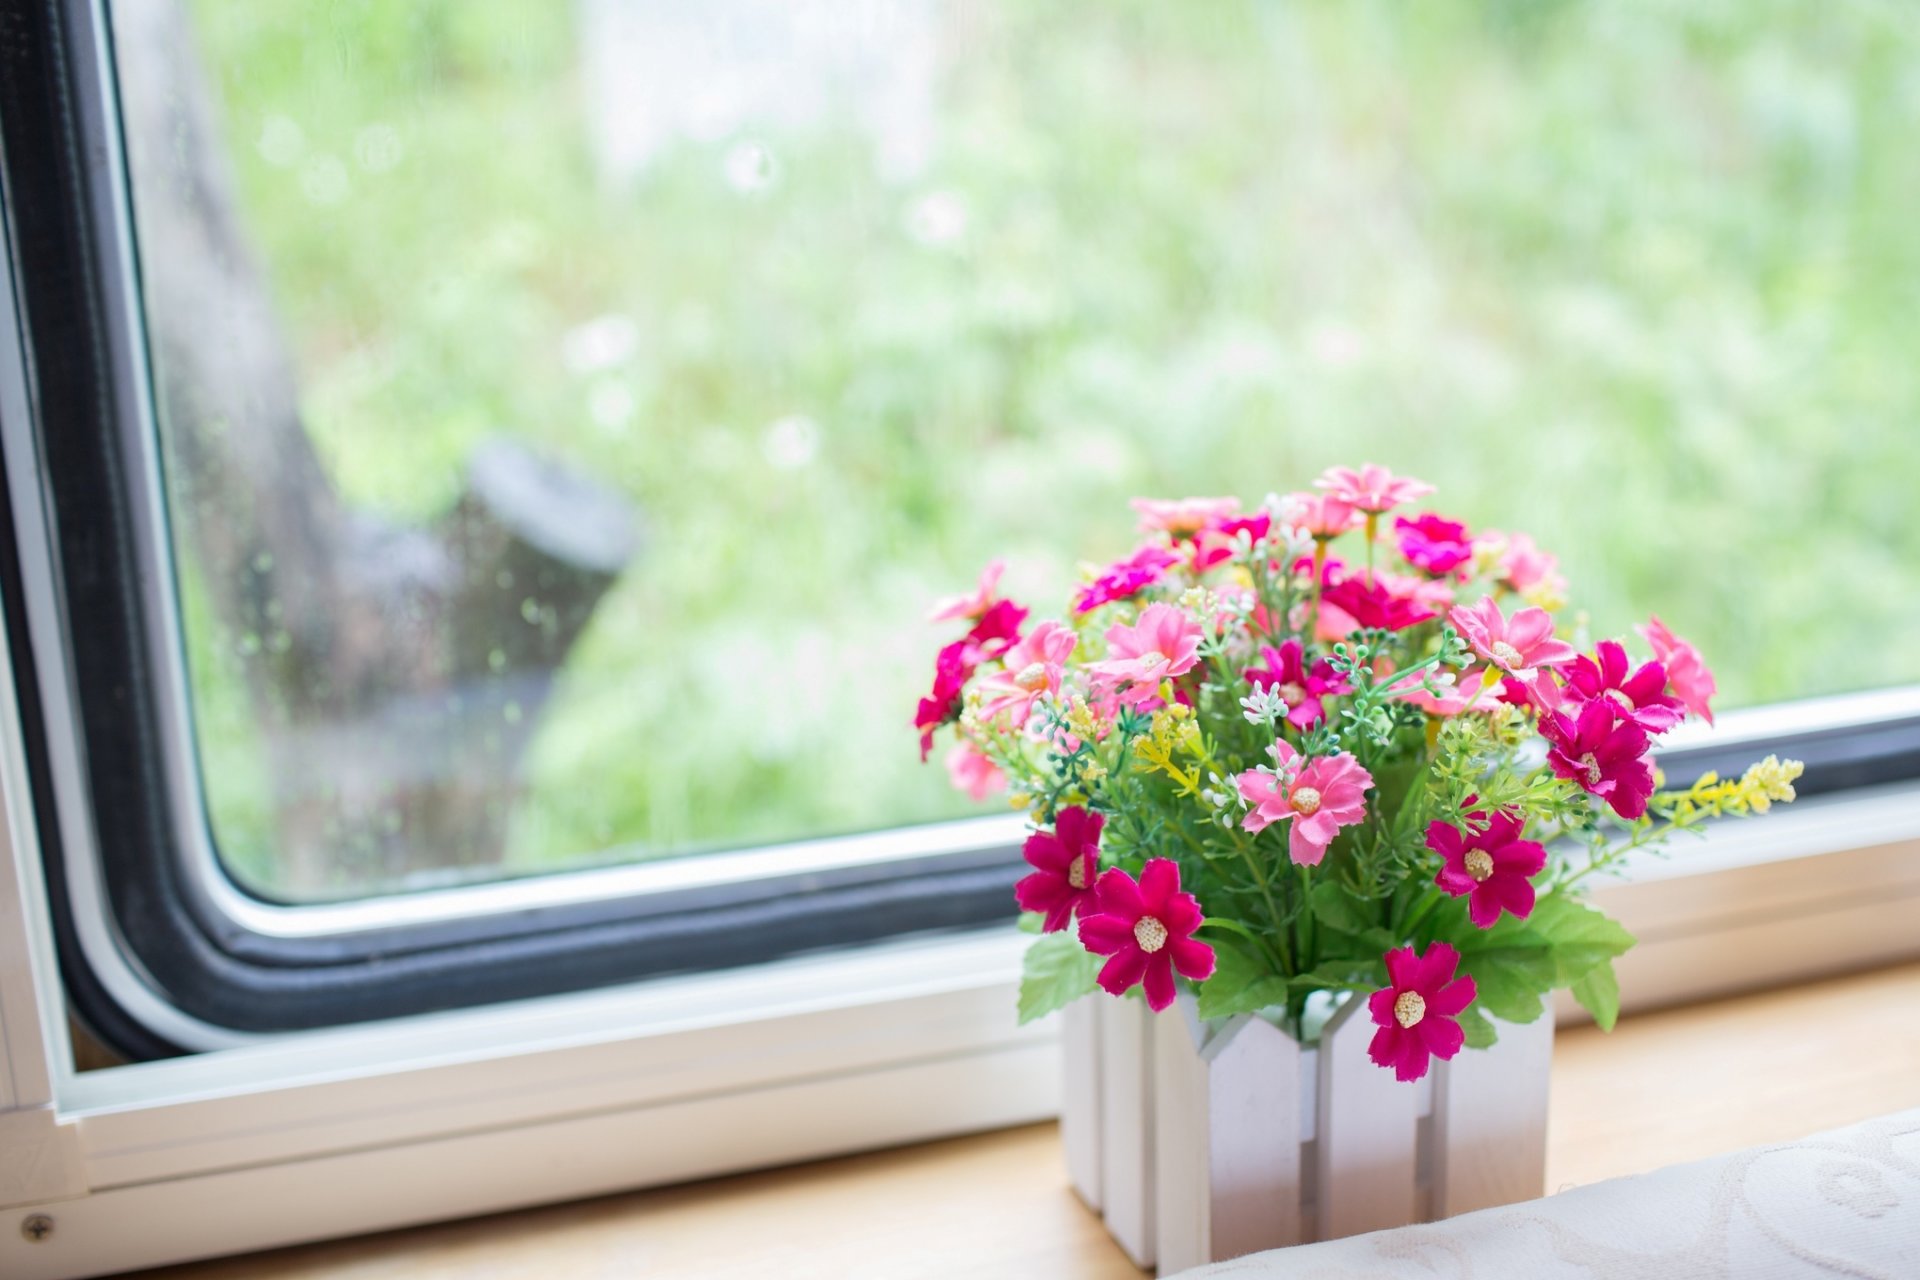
(1640, 279)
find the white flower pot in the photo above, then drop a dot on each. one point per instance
(1200, 1143)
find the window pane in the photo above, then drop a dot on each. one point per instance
(569, 409)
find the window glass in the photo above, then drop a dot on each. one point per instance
(568, 410)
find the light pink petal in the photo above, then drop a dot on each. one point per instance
(1304, 848)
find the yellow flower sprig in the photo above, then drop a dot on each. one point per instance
(1765, 783)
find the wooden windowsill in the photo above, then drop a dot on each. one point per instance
(1662, 1089)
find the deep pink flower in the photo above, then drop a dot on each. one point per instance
(1066, 867)
(1519, 645)
(1218, 541)
(1640, 696)
(1542, 695)
(1606, 755)
(971, 770)
(1033, 667)
(1302, 690)
(972, 606)
(1434, 543)
(1184, 517)
(997, 629)
(1418, 1011)
(951, 668)
(1373, 604)
(1489, 863)
(1372, 489)
(1320, 795)
(1687, 672)
(1147, 927)
(1119, 581)
(1165, 643)
(1320, 515)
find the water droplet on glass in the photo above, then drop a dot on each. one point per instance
(325, 181)
(281, 142)
(791, 442)
(751, 169)
(378, 148)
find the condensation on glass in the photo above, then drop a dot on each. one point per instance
(567, 409)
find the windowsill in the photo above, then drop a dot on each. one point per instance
(1662, 1089)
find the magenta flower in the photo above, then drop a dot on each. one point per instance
(1033, 667)
(1165, 643)
(1372, 604)
(951, 669)
(1372, 489)
(997, 629)
(1687, 673)
(1606, 755)
(1302, 690)
(1488, 863)
(1418, 1012)
(1320, 796)
(1184, 517)
(1640, 696)
(1321, 515)
(1519, 645)
(1127, 578)
(1434, 543)
(1066, 863)
(1218, 541)
(1148, 930)
(971, 607)
(971, 770)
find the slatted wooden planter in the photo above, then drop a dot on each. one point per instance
(1198, 1143)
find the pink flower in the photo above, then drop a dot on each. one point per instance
(1434, 543)
(1456, 693)
(1541, 695)
(1687, 673)
(1418, 1011)
(971, 606)
(1321, 515)
(1640, 697)
(1489, 863)
(1321, 795)
(1372, 604)
(1165, 643)
(1372, 488)
(1066, 863)
(997, 629)
(1606, 755)
(1523, 566)
(1184, 517)
(1033, 667)
(972, 771)
(1518, 646)
(1301, 689)
(1148, 930)
(1218, 542)
(1118, 581)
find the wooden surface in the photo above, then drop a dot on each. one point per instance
(1664, 1088)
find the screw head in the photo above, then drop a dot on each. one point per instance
(36, 1227)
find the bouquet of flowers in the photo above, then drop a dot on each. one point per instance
(1295, 753)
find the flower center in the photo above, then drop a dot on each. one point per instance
(1152, 658)
(1305, 800)
(1479, 864)
(1032, 676)
(1506, 655)
(1409, 1008)
(1077, 873)
(1292, 694)
(1621, 699)
(1592, 768)
(1150, 934)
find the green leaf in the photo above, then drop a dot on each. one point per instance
(1242, 982)
(1582, 937)
(1510, 981)
(1335, 908)
(1479, 1029)
(1031, 922)
(1056, 972)
(1599, 994)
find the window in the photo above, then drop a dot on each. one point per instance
(474, 472)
